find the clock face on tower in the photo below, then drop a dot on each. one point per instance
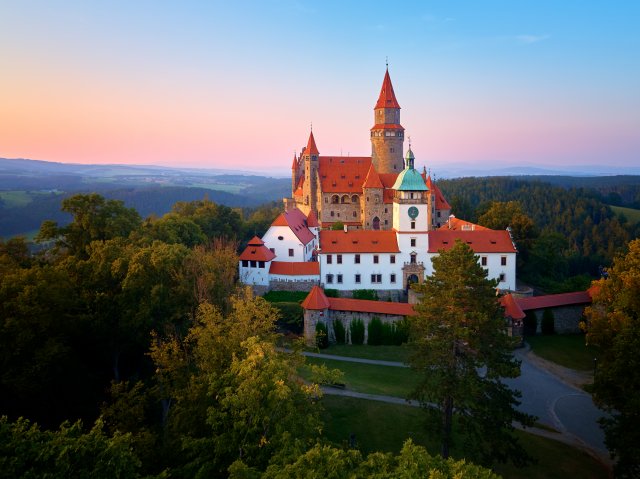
(413, 212)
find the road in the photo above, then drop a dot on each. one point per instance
(556, 403)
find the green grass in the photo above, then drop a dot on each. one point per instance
(568, 350)
(385, 353)
(632, 215)
(14, 199)
(285, 296)
(373, 379)
(384, 427)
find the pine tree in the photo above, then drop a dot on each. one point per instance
(461, 348)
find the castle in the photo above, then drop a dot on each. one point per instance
(393, 221)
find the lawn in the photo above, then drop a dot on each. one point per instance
(384, 427)
(632, 215)
(568, 350)
(372, 379)
(385, 353)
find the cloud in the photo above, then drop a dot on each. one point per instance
(529, 39)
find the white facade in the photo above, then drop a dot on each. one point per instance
(255, 272)
(350, 271)
(286, 245)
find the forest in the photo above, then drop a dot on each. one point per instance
(130, 341)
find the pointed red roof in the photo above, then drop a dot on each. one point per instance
(387, 98)
(316, 299)
(311, 149)
(295, 220)
(294, 165)
(373, 179)
(312, 220)
(255, 241)
(257, 251)
(511, 307)
(441, 202)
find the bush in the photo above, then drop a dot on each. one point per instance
(401, 332)
(376, 332)
(291, 316)
(331, 293)
(547, 325)
(371, 294)
(530, 323)
(356, 327)
(285, 296)
(337, 226)
(322, 336)
(339, 331)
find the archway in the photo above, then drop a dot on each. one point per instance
(376, 223)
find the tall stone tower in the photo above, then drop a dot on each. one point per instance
(387, 134)
(310, 187)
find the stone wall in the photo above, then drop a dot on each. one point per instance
(280, 285)
(566, 319)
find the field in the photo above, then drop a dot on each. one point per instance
(633, 216)
(384, 427)
(568, 350)
(14, 199)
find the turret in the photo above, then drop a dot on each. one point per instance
(310, 157)
(387, 135)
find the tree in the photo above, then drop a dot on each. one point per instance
(461, 348)
(613, 324)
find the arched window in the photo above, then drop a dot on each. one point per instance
(335, 199)
(354, 199)
(344, 199)
(376, 223)
(377, 198)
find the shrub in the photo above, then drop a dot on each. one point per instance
(331, 293)
(291, 316)
(337, 226)
(356, 327)
(530, 323)
(322, 336)
(338, 329)
(376, 332)
(401, 333)
(547, 325)
(371, 294)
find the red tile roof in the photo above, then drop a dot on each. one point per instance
(312, 219)
(297, 222)
(387, 126)
(511, 307)
(554, 300)
(441, 202)
(316, 299)
(343, 174)
(457, 224)
(298, 191)
(358, 241)
(294, 165)
(311, 149)
(387, 98)
(368, 306)
(257, 251)
(486, 241)
(388, 180)
(373, 179)
(295, 268)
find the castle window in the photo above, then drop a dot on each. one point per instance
(386, 222)
(339, 258)
(326, 199)
(355, 214)
(245, 263)
(393, 278)
(413, 225)
(386, 210)
(290, 251)
(376, 278)
(339, 278)
(357, 278)
(354, 199)
(483, 260)
(376, 259)
(356, 259)
(253, 264)
(376, 223)
(329, 259)
(392, 259)
(261, 264)
(438, 214)
(335, 199)
(332, 214)
(413, 242)
(503, 277)
(503, 260)
(329, 279)
(413, 258)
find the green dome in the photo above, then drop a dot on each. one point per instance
(410, 180)
(409, 155)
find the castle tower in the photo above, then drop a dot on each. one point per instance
(294, 174)
(310, 188)
(387, 135)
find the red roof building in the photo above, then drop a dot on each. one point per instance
(358, 241)
(486, 241)
(257, 251)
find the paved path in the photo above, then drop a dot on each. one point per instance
(556, 403)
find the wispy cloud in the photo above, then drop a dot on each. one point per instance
(529, 39)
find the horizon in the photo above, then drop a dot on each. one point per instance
(185, 85)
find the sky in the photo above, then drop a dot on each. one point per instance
(238, 85)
